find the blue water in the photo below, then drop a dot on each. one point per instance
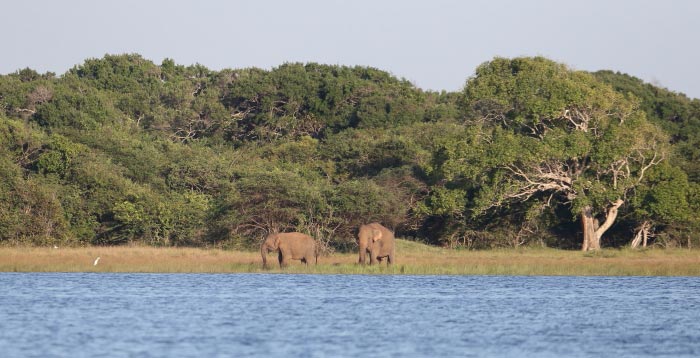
(238, 315)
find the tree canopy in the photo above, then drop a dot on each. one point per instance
(121, 150)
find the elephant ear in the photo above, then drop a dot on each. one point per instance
(376, 235)
(277, 241)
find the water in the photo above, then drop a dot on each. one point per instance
(238, 315)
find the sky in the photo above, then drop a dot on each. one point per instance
(435, 44)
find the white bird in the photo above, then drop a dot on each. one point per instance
(55, 247)
(96, 261)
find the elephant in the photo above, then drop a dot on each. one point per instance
(377, 241)
(290, 246)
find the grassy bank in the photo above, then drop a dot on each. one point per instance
(413, 258)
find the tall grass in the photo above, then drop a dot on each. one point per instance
(412, 258)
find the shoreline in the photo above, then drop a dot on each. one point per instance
(412, 259)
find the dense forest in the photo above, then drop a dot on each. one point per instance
(120, 150)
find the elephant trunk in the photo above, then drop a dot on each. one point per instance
(263, 253)
(363, 252)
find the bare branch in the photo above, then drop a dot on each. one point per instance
(238, 115)
(25, 110)
(578, 119)
(545, 177)
(656, 159)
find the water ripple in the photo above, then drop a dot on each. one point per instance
(193, 315)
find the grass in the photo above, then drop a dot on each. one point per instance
(412, 258)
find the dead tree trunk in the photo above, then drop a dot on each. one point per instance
(642, 235)
(591, 234)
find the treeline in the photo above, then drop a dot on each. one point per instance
(120, 150)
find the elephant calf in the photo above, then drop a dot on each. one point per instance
(377, 241)
(290, 246)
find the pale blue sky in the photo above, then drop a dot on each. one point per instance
(436, 44)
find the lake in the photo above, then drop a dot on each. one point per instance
(239, 315)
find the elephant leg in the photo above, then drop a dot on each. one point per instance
(372, 258)
(306, 258)
(280, 258)
(311, 256)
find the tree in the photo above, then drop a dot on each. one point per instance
(661, 201)
(120, 150)
(554, 134)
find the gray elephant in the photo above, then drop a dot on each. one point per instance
(377, 241)
(290, 246)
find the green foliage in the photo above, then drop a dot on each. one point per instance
(678, 115)
(665, 197)
(121, 150)
(312, 99)
(58, 155)
(546, 134)
(366, 152)
(267, 199)
(30, 210)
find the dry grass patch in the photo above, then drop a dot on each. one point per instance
(412, 258)
(122, 259)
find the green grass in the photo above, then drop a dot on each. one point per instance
(412, 258)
